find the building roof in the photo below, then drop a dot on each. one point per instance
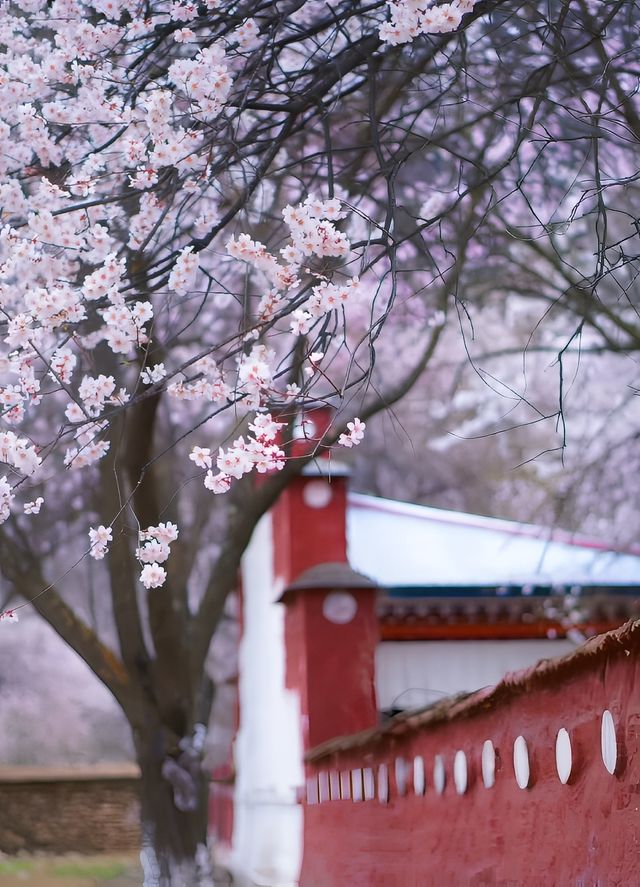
(403, 546)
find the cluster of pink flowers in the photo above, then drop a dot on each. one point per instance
(100, 537)
(153, 375)
(61, 263)
(410, 18)
(90, 449)
(258, 452)
(183, 274)
(247, 35)
(33, 507)
(325, 297)
(205, 80)
(256, 254)
(353, 435)
(124, 326)
(94, 392)
(11, 404)
(313, 232)
(6, 498)
(19, 453)
(209, 386)
(154, 550)
(94, 149)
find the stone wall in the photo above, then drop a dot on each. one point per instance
(90, 810)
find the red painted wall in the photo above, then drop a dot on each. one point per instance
(332, 666)
(584, 833)
(304, 536)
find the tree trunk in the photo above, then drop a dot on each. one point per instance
(174, 801)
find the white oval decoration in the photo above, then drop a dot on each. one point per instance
(356, 785)
(339, 607)
(419, 782)
(312, 790)
(439, 774)
(383, 784)
(369, 784)
(521, 762)
(401, 776)
(460, 772)
(608, 742)
(317, 494)
(323, 786)
(488, 764)
(564, 760)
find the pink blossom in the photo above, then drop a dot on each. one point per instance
(153, 575)
(6, 498)
(100, 537)
(183, 274)
(201, 456)
(164, 532)
(354, 434)
(153, 552)
(33, 507)
(264, 427)
(217, 483)
(153, 374)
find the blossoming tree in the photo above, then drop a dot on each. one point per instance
(216, 213)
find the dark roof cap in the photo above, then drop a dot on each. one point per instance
(329, 575)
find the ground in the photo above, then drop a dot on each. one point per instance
(71, 871)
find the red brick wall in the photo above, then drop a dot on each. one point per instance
(586, 832)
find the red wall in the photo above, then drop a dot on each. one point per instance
(304, 537)
(332, 666)
(584, 833)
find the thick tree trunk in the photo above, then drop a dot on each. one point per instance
(174, 796)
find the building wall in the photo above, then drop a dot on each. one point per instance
(267, 835)
(585, 832)
(411, 674)
(92, 810)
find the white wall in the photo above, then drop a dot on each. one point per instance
(267, 839)
(410, 674)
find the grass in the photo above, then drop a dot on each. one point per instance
(103, 870)
(41, 870)
(16, 866)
